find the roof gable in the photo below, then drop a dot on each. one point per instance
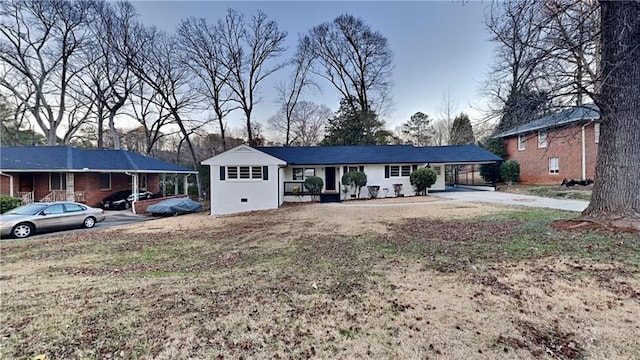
(244, 155)
(565, 117)
(67, 158)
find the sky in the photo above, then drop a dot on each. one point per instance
(438, 46)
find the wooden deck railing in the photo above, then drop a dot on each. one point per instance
(26, 196)
(61, 195)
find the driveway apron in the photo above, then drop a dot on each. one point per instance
(496, 197)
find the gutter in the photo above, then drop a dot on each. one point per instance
(10, 182)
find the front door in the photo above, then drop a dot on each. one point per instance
(330, 178)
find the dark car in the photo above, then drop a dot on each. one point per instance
(117, 201)
(174, 207)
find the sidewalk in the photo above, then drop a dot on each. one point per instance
(496, 197)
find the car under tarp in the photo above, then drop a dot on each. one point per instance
(174, 206)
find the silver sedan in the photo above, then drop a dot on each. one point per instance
(26, 220)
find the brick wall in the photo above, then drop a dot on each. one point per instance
(565, 144)
(5, 185)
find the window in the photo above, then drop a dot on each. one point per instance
(542, 139)
(73, 207)
(521, 142)
(54, 209)
(58, 181)
(438, 170)
(105, 181)
(302, 173)
(596, 132)
(554, 165)
(398, 170)
(245, 172)
(352, 168)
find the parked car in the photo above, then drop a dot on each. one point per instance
(174, 206)
(140, 196)
(117, 201)
(26, 220)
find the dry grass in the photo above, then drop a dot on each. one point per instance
(372, 279)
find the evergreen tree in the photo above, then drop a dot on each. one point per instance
(349, 126)
(461, 131)
(418, 129)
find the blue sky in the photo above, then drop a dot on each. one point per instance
(438, 46)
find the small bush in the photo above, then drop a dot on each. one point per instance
(422, 179)
(8, 202)
(373, 191)
(314, 184)
(510, 171)
(355, 180)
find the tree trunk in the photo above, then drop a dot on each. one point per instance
(616, 193)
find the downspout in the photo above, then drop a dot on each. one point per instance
(10, 182)
(134, 191)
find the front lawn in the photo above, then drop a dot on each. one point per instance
(408, 280)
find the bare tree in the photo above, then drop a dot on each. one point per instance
(248, 51)
(615, 198)
(442, 126)
(305, 123)
(107, 76)
(40, 43)
(202, 52)
(512, 83)
(289, 92)
(158, 64)
(357, 61)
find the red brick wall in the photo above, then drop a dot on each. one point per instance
(5, 185)
(565, 144)
(90, 184)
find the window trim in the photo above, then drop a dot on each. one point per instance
(542, 139)
(554, 170)
(400, 170)
(522, 142)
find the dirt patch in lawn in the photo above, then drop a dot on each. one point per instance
(434, 279)
(586, 226)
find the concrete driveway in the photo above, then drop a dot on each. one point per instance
(497, 197)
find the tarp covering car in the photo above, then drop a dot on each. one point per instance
(174, 207)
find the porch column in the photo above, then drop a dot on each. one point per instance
(186, 184)
(176, 179)
(70, 190)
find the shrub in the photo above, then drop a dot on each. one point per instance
(510, 170)
(355, 180)
(314, 184)
(8, 202)
(422, 179)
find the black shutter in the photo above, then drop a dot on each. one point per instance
(222, 173)
(344, 168)
(386, 171)
(415, 167)
(361, 168)
(265, 173)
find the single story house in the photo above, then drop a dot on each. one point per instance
(54, 173)
(246, 178)
(555, 147)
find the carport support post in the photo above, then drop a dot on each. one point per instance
(175, 184)
(186, 184)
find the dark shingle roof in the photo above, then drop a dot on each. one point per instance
(380, 154)
(67, 158)
(574, 114)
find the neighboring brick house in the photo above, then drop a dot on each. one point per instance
(560, 146)
(37, 173)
